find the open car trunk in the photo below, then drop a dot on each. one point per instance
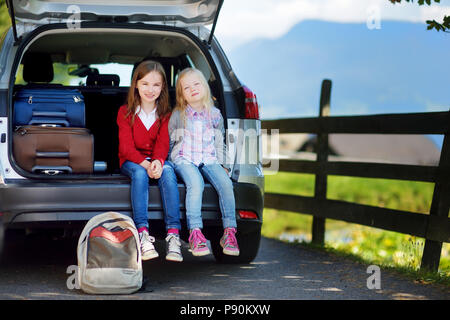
(180, 13)
(99, 61)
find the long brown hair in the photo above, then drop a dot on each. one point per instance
(134, 100)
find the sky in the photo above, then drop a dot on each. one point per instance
(242, 21)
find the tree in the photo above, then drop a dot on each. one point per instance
(432, 24)
(5, 21)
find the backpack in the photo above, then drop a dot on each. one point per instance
(109, 255)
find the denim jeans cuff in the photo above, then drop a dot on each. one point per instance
(141, 225)
(229, 223)
(195, 225)
(173, 226)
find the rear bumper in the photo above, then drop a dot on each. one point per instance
(32, 202)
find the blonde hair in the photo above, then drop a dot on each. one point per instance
(181, 102)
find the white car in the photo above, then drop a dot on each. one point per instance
(72, 42)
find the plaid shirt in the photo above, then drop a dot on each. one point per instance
(198, 141)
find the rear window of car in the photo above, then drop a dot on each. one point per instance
(62, 74)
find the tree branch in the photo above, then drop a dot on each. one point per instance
(431, 24)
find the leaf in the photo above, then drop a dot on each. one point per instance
(433, 24)
(446, 22)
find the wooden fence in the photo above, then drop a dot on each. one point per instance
(434, 227)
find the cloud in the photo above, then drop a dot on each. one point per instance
(435, 107)
(242, 21)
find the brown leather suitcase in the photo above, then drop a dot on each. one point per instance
(54, 150)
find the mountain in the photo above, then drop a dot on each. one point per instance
(399, 68)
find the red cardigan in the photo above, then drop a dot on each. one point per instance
(136, 143)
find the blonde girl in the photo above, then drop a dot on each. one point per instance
(196, 133)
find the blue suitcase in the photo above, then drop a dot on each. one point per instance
(43, 106)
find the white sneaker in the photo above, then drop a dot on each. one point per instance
(147, 248)
(173, 247)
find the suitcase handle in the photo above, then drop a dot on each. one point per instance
(52, 122)
(51, 154)
(49, 114)
(57, 114)
(51, 171)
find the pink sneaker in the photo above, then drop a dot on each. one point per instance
(229, 242)
(197, 243)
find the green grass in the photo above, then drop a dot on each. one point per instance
(371, 245)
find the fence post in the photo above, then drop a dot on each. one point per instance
(320, 187)
(440, 206)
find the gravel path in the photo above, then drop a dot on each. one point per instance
(280, 272)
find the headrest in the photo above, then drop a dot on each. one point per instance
(37, 67)
(111, 80)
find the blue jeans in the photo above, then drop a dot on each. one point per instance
(193, 179)
(139, 194)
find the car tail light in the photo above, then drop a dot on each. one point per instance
(251, 104)
(247, 214)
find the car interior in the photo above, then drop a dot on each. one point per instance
(104, 92)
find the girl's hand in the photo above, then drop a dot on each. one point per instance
(145, 164)
(150, 173)
(155, 169)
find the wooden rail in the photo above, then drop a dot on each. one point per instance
(434, 227)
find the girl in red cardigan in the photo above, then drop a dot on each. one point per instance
(143, 149)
